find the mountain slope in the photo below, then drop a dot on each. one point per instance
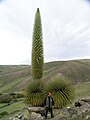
(17, 77)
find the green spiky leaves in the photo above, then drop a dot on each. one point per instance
(61, 88)
(62, 91)
(37, 48)
(35, 93)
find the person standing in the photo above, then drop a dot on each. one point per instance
(48, 103)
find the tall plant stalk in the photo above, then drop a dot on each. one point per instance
(37, 48)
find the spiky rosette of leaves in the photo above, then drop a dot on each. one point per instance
(62, 91)
(37, 48)
(34, 94)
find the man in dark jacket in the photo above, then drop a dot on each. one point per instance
(48, 102)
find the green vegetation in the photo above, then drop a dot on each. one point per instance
(82, 90)
(3, 104)
(13, 77)
(16, 78)
(6, 98)
(11, 110)
(62, 91)
(34, 95)
(13, 107)
(12, 83)
(37, 48)
(61, 88)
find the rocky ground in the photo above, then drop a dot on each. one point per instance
(79, 111)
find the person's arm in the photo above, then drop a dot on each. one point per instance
(44, 101)
(52, 102)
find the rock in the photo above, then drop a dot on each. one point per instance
(59, 118)
(11, 118)
(74, 117)
(72, 111)
(35, 116)
(25, 118)
(87, 117)
(20, 116)
(86, 99)
(80, 111)
(15, 119)
(64, 112)
(83, 105)
(78, 104)
(36, 109)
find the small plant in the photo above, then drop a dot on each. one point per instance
(34, 95)
(62, 91)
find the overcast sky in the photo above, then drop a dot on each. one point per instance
(65, 25)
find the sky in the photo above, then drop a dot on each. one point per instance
(65, 28)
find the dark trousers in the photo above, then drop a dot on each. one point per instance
(48, 110)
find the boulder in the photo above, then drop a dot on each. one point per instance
(85, 99)
(35, 116)
(83, 105)
(80, 110)
(18, 116)
(40, 110)
(78, 104)
(35, 109)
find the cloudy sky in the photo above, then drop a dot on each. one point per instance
(65, 23)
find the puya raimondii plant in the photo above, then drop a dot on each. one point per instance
(62, 91)
(37, 48)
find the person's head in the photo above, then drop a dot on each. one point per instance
(49, 93)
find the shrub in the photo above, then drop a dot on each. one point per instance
(34, 95)
(62, 91)
(5, 98)
(19, 95)
(4, 113)
(13, 94)
(0, 93)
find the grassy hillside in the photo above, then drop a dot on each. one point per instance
(17, 77)
(82, 90)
